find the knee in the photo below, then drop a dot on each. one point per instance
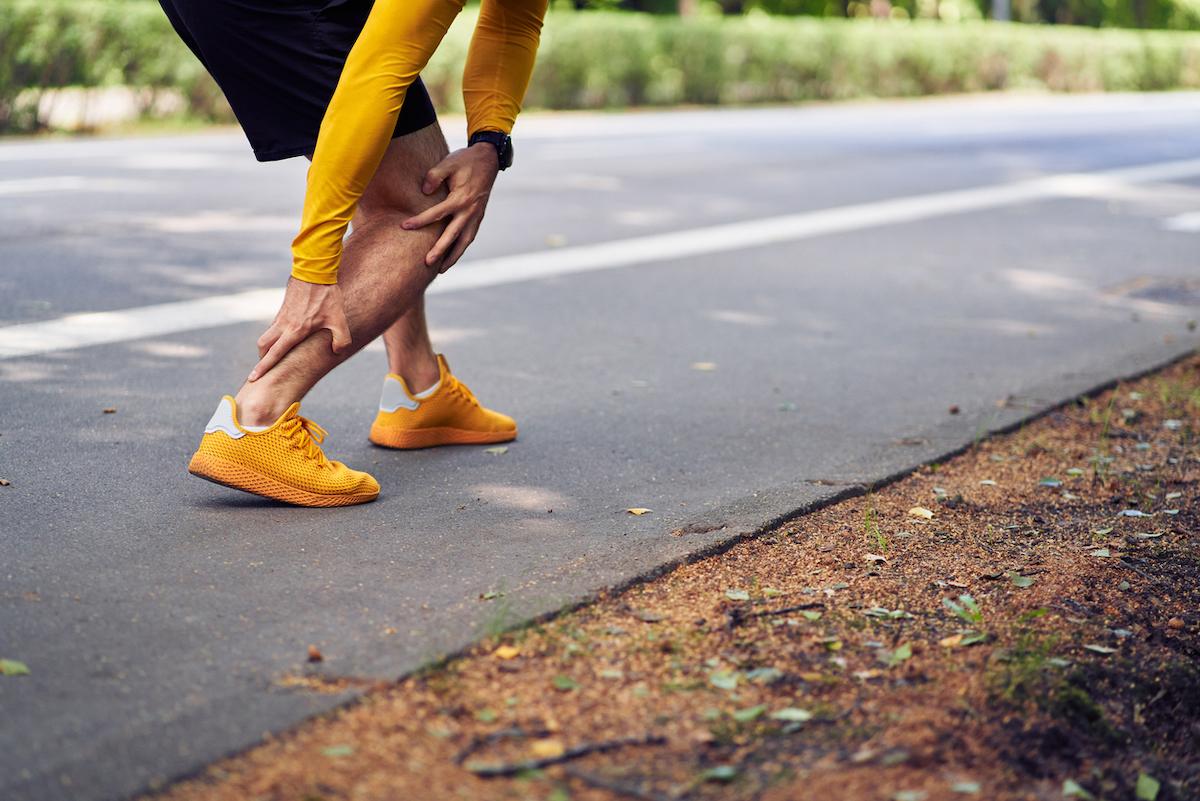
(396, 188)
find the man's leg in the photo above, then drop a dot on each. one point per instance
(382, 276)
(410, 353)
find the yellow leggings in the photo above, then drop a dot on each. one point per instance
(393, 48)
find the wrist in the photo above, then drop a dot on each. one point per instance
(499, 141)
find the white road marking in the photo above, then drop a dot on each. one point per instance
(1186, 223)
(100, 328)
(70, 183)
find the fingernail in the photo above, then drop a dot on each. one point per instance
(406, 225)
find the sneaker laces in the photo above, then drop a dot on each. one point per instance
(307, 436)
(465, 393)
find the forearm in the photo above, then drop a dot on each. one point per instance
(500, 62)
(394, 46)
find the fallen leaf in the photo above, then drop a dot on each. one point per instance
(489, 595)
(1050, 481)
(749, 714)
(909, 795)
(506, 652)
(987, 482)
(1072, 789)
(893, 658)
(966, 788)
(496, 451)
(811, 616)
(704, 367)
(314, 655)
(1100, 552)
(764, 675)
(737, 595)
(1146, 788)
(338, 750)
(866, 675)
(565, 683)
(920, 511)
(1020, 581)
(11, 667)
(723, 679)
(1101, 532)
(952, 641)
(1132, 513)
(110, 410)
(548, 748)
(720, 773)
(611, 674)
(1175, 623)
(1100, 649)
(874, 557)
(638, 510)
(791, 714)
(1074, 471)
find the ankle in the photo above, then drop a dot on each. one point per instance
(419, 373)
(257, 406)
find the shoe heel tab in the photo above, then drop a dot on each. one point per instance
(224, 419)
(396, 395)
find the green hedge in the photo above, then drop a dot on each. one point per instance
(594, 60)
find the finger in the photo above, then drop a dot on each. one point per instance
(435, 177)
(280, 349)
(341, 335)
(460, 245)
(268, 339)
(431, 215)
(445, 241)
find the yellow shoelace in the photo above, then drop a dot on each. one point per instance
(308, 436)
(465, 393)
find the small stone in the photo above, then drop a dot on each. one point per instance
(1175, 623)
(314, 654)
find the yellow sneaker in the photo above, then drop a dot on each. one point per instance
(450, 415)
(283, 461)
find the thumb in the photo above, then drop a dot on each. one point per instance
(434, 178)
(341, 335)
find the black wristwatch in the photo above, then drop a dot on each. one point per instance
(501, 141)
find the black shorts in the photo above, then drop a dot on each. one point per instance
(278, 62)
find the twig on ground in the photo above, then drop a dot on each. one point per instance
(613, 786)
(487, 739)
(512, 768)
(736, 616)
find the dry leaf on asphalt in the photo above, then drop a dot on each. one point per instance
(638, 510)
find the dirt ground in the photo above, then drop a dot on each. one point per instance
(1020, 622)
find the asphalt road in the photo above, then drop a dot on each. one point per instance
(842, 275)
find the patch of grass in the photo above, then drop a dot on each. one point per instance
(871, 526)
